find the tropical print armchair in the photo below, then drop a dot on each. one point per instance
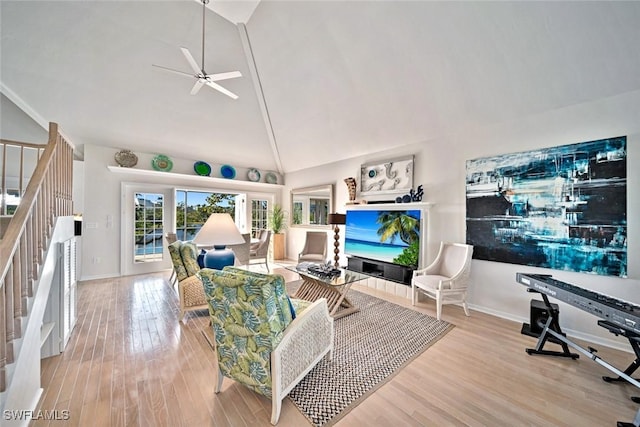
(184, 256)
(258, 341)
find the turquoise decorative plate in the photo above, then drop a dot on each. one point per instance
(162, 163)
(202, 168)
(253, 175)
(228, 172)
(271, 178)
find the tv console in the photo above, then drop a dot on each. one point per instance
(384, 270)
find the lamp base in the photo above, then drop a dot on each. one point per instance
(336, 245)
(218, 258)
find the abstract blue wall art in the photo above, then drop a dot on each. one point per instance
(563, 208)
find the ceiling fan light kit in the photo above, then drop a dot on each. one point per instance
(201, 76)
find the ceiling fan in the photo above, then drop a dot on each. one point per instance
(202, 78)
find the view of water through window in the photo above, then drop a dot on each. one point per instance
(192, 210)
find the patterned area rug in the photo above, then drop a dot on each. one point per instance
(370, 347)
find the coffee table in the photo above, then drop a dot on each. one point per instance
(334, 289)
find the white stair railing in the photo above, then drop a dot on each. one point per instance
(47, 196)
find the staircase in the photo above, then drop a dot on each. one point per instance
(27, 264)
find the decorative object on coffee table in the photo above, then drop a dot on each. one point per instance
(227, 171)
(324, 271)
(126, 158)
(202, 168)
(162, 163)
(337, 219)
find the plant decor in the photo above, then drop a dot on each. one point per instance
(277, 219)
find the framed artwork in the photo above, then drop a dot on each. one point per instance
(389, 177)
(563, 208)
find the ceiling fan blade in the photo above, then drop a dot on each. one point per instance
(223, 76)
(196, 87)
(171, 70)
(191, 61)
(221, 89)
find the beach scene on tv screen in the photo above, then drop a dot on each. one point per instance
(384, 235)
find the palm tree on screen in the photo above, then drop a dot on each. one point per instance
(396, 224)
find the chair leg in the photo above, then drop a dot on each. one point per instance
(438, 305)
(276, 405)
(218, 385)
(413, 294)
(464, 304)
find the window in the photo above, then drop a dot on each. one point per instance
(194, 207)
(258, 216)
(11, 200)
(297, 213)
(148, 228)
(318, 211)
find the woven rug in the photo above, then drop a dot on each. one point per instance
(370, 347)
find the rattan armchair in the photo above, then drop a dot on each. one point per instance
(184, 256)
(258, 343)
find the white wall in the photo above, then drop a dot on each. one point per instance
(15, 125)
(440, 168)
(102, 228)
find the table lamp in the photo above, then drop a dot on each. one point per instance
(219, 231)
(336, 219)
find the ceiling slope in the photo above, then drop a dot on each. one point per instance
(352, 77)
(339, 78)
(87, 66)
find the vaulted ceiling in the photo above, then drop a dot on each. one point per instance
(322, 80)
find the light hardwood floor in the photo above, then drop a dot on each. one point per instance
(131, 363)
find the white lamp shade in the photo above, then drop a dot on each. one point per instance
(219, 230)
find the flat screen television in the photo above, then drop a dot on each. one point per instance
(389, 235)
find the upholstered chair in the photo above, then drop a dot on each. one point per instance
(315, 247)
(261, 237)
(258, 342)
(242, 250)
(170, 238)
(260, 251)
(446, 279)
(184, 256)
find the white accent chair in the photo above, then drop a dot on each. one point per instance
(447, 278)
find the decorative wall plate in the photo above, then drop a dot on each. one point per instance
(228, 171)
(202, 168)
(126, 158)
(253, 174)
(271, 178)
(162, 163)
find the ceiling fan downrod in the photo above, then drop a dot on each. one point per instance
(204, 5)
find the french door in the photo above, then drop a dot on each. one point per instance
(147, 214)
(149, 211)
